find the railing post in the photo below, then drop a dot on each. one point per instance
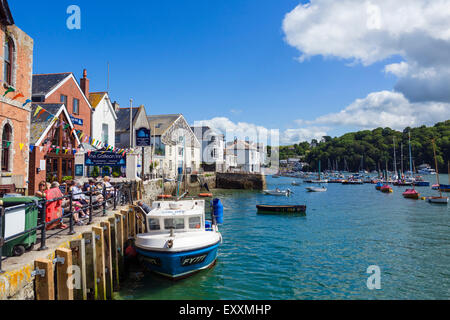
(91, 209)
(131, 194)
(2, 236)
(44, 227)
(71, 231)
(115, 198)
(104, 200)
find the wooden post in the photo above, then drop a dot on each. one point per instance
(126, 231)
(108, 259)
(114, 254)
(100, 261)
(64, 289)
(91, 266)
(132, 222)
(120, 241)
(79, 260)
(45, 284)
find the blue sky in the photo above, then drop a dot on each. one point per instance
(202, 58)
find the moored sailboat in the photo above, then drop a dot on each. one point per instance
(440, 199)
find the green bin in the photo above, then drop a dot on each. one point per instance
(21, 214)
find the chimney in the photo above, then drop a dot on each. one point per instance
(116, 106)
(84, 84)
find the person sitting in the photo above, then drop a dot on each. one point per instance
(41, 189)
(109, 187)
(79, 197)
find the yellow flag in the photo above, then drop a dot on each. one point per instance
(21, 145)
(39, 108)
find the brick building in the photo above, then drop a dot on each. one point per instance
(16, 55)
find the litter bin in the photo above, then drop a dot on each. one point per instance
(21, 214)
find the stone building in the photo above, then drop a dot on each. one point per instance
(15, 92)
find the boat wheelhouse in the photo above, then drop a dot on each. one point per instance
(178, 240)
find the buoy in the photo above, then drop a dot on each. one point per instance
(423, 198)
(217, 210)
(205, 195)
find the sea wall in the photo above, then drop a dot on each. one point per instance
(241, 181)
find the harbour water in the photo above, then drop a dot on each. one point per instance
(323, 255)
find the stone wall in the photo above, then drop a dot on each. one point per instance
(241, 181)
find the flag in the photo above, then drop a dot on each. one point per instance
(31, 148)
(10, 89)
(18, 96)
(21, 145)
(41, 112)
(39, 108)
(26, 102)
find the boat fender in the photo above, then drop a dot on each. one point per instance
(170, 244)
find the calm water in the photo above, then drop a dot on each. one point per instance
(324, 255)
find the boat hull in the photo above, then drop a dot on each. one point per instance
(179, 265)
(281, 209)
(438, 200)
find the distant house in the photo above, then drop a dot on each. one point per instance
(231, 163)
(212, 148)
(175, 145)
(103, 119)
(248, 158)
(139, 120)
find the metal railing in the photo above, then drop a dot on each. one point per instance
(117, 195)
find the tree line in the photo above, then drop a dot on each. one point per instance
(371, 149)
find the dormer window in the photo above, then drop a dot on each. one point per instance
(8, 62)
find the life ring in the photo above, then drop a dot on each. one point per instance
(165, 196)
(205, 195)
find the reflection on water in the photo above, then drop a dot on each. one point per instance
(323, 255)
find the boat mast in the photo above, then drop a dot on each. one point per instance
(410, 157)
(395, 159)
(319, 170)
(401, 146)
(437, 169)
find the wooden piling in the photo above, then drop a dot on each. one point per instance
(114, 253)
(79, 260)
(44, 284)
(91, 265)
(100, 262)
(64, 288)
(132, 222)
(126, 231)
(120, 241)
(108, 259)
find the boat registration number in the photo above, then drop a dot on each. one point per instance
(191, 260)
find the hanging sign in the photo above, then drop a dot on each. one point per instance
(143, 137)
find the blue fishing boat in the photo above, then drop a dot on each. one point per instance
(379, 185)
(178, 241)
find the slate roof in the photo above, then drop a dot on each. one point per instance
(204, 130)
(39, 124)
(44, 83)
(160, 123)
(6, 17)
(123, 118)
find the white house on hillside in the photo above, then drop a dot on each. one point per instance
(248, 157)
(213, 148)
(174, 145)
(103, 119)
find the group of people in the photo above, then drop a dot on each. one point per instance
(81, 199)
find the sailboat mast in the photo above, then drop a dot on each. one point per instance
(437, 169)
(401, 146)
(410, 156)
(395, 159)
(319, 170)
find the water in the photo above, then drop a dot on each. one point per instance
(324, 255)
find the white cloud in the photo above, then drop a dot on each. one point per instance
(385, 109)
(253, 132)
(371, 31)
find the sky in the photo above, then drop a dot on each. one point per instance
(305, 68)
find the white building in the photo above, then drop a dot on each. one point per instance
(174, 145)
(230, 161)
(103, 118)
(248, 157)
(212, 148)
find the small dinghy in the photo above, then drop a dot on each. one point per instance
(411, 194)
(278, 192)
(295, 183)
(386, 189)
(438, 200)
(281, 209)
(316, 189)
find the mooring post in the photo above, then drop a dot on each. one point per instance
(126, 231)
(79, 261)
(44, 279)
(108, 259)
(132, 222)
(120, 240)
(114, 254)
(100, 261)
(91, 265)
(63, 263)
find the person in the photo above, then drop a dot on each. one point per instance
(109, 187)
(79, 196)
(41, 189)
(54, 207)
(144, 207)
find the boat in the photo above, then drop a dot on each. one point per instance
(178, 241)
(427, 171)
(316, 189)
(419, 183)
(165, 196)
(440, 199)
(295, 183)
(281, 209)
(386, 189)
(379, 185)
(205, 195)
(411, 194)
(278, 192)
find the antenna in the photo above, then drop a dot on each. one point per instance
(107, 85)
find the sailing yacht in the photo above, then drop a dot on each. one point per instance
(440, 199)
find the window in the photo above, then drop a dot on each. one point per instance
(76, 106)
(117, 138)
(105, 131)
(8, 65)
(154, 224)
(6, 146)
(64, 100)
(193, 153)
(195, 223)
(174, 223)
(180, 151)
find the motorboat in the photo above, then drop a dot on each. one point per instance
(278, 192)
(316, 189)
(295, 183)
(281, 209)
(438, 200)
(411, 194)
(178, 241)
